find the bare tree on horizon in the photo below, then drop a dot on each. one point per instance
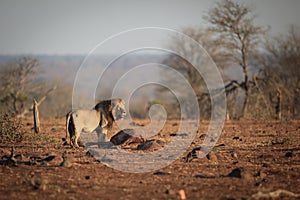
(238, 39)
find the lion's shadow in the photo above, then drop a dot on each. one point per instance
(100, 145)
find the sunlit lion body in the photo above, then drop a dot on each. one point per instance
(100, 119)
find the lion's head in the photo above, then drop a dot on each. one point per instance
(118, 109)
(113, 109)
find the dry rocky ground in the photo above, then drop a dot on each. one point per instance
(252, 160)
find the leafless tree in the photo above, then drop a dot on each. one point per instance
(238, 38)
(59, 103)
(18, 86)
(282, 71)
(183, 46)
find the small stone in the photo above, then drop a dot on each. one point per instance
(204, 176)
(37, 182)
(182, 194)
(289, 154)
(266, 165)
(48, 159)
(220, 145)
(202, 136)
(19, 157)
(235, 173)
(65, 162)
(212, 156)
(153, 145)
(234, 155)
(261, 175)
(161, 173)
(169, 191)
(89, 154)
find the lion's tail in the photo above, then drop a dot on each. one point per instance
(68, 118)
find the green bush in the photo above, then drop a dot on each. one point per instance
(10, 129)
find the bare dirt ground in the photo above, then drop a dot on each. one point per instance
(252, 160)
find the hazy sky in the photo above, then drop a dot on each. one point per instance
(73, 27)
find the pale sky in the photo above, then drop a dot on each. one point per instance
(76, 27)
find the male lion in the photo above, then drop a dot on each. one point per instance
(100, 119)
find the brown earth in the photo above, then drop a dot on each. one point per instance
(252, 160)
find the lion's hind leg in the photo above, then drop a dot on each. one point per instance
(74, 135)
(102, 138)
(76, 139)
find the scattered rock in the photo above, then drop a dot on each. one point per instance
(279, 141)
(19, 157)
(170, 191)
(11, 160)
(203, 136)
(48, 159)
(288, 154)
(35, 158)
(136, 124)
(266, 165)
(150, 144)
(178, 134)
(65, 162)
(261, 174)
(132, 124)
(234, 155)
(204, 176)
(161, 173)
(37, 182)
(212, 156)
(65, 142)
(160, 142)
(236, 138)
(192, 154)
(235, 173)
(89, 154)
(265, 156)
(220, 145)
(278, 194)
(182, 194)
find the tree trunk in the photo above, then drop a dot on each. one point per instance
(36, 118)
(244, 109)
(278, 105)
(244, 65)
(41, 100)
(289, 113)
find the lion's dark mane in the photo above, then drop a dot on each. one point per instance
(106, 105)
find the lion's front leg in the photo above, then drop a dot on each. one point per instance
(104, 132)
(102, 136)
(74, 139)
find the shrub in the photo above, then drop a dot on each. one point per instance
(10, 129)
